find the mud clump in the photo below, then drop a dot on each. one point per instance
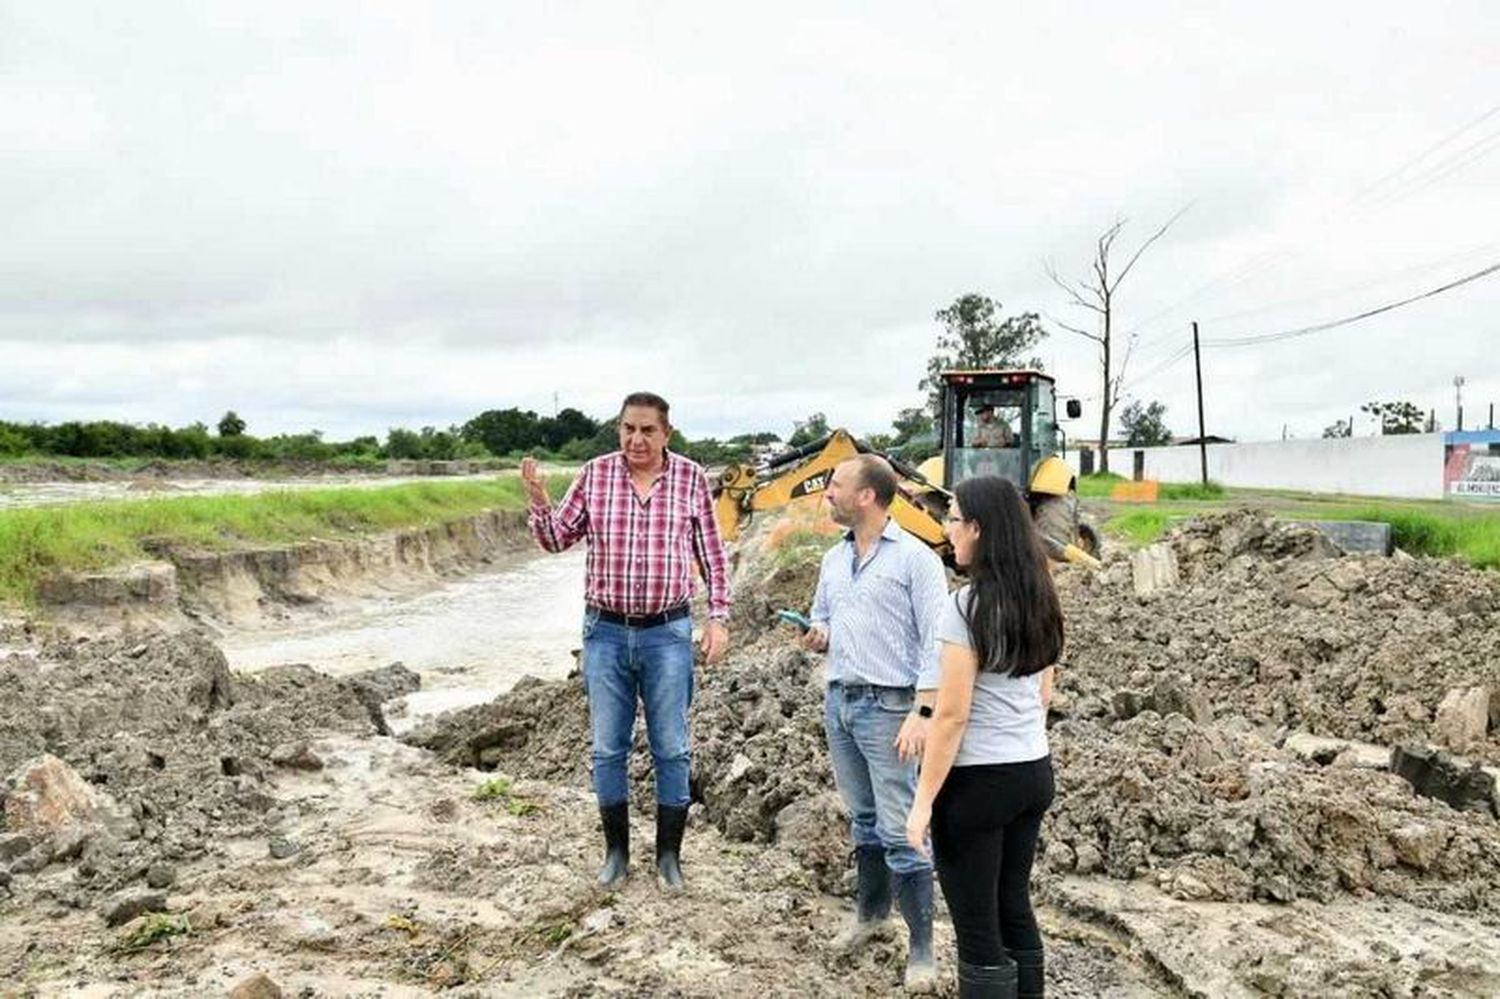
(159, 726)
(1218, 813)
(1168, 731)
(539, 729)
(1273, 625)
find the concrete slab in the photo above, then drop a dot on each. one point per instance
(1356, 537)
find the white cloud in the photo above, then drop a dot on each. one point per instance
(351, 218)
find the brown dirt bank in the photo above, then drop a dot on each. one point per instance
(258, 586)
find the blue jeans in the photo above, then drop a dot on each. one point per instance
(621, 663)
(876, 787)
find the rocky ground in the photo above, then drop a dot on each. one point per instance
(1227, 820)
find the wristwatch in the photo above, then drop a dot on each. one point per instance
(924, 710)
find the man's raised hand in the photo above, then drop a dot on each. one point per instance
(536, 490)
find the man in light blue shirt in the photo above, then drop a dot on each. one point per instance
(879, 595)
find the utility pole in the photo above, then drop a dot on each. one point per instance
(1202, 434)
(1458, 391)
(1492, 416)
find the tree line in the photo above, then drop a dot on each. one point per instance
(571, 435)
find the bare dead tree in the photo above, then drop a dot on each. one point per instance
(1096, 293)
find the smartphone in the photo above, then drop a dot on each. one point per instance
(793, 617)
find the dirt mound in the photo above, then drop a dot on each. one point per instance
(1272, 625)
(160, 725)
(1216, 812)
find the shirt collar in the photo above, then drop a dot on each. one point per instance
(890, 532)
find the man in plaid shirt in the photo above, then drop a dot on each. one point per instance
(648, 517)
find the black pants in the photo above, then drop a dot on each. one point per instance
(985, 823)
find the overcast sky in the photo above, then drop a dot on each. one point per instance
(356, 216)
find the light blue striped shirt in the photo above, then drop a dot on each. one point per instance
(881, 616)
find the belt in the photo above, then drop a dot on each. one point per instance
(642, 620)
(861, 689)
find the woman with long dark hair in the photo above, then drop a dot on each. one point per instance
(986, 771)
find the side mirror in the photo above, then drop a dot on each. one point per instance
(1075, 409)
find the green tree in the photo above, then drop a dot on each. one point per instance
(503, 431)
(568, 425)
(239, 446)
(815, 427)
(402, 444)
(910, 424)
(972, 337)
(605, 439)
(230, 425)
(13, 443)
(1145, 426)
(1395, 417)
(759, 437)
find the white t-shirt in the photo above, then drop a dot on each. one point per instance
(1007, 722)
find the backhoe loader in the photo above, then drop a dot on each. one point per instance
(995, 422)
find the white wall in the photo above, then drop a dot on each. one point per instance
(1408, 465)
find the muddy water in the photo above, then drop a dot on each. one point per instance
(469, 640)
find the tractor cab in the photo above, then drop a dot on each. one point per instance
(999, 422)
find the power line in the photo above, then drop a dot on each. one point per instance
(1469, 155)
(1185, 350)
(1385, 278)
(1434, 173)
(1246, 341)
(1392, 175)
(1172, 361)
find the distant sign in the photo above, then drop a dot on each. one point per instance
(1471, 465)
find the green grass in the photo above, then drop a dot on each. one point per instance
(84, 537)
(1099, 486)
(494, 789)
(501, 791)
(1476, 539)
(154, 927)
(1191, 491)
(1139, 527)
(801, 547)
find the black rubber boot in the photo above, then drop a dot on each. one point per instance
(872, 899)
(1030, 973)
(616, 820)
(986, 981)
(914, 898)
(670, 822)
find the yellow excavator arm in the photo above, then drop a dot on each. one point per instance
(920, 505)
(743, 490)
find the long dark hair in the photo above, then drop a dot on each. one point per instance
(1015, 621)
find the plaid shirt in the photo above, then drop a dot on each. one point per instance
(640, 553)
